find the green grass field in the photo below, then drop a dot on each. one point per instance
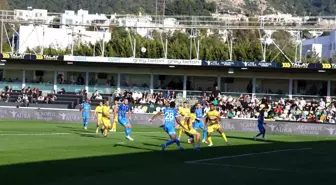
(49, 153)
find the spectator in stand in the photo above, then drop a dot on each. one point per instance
(216, 92)
(80, 80)
(99, 97)
(5, 96)
(52, 97)
(95, 94)
(116, 95)
(40, 98)
(25, 100)
(8, 89)
(62, 91)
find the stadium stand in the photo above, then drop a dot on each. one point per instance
(230, 106)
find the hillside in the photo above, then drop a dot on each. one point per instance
(191, 7)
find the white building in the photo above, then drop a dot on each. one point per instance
(281, 19)
(57, 38)
(83, 18)
(144, 24)
(229, 16)
(327, 45)
(32, 15)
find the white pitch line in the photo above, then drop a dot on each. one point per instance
(51, 134)
(249, 154)
(35, 134)
(246, 167)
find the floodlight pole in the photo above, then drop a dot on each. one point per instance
(300, 47)
(42, 49)
(2, 29)
(103, 45)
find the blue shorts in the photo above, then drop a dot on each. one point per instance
(169, 130)
(198, 125)
(85, 116)
(123, 121)
(261, 128)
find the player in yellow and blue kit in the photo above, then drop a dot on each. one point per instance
(99, 116)
(184, 112)
(198, 124)
(115, 116)
(85, 108)
(170, 116)
(261, 123)
(106, 118)
(190, 131)
(123, 110)
(212, 119)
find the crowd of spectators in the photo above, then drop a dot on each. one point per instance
(136, 98)
(230, 107)
(287, 110)
(245, 106)
(27, 95)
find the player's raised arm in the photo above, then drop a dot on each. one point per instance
(81, 107)
(129, 113)
(156, 115)
(219, 118)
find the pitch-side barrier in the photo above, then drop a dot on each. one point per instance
(235, 125)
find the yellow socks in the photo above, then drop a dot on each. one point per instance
(210, 139)
(179, 133)
(224, 137)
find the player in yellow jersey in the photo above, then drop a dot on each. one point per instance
(106, 118)
(99, 115)
(212, 120)
(184, 112)
(190, 131)
(115, 116)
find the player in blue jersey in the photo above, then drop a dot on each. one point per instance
(124, 117)
(198, 124)
(85, 108)
(170, 116)
(261, 123)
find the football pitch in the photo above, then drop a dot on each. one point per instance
(50, 153)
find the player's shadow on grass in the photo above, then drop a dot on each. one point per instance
(149, 144)
(90, 135)
(148, 165)
(133, 147)
(164, 139)
(248, 138)
(75, 130)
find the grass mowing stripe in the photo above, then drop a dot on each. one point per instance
(253, 167)
(249, 154)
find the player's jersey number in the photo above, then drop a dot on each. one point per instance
(169, 116)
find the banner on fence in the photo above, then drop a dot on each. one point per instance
(156, 61)
(30, 57)
(142, 119)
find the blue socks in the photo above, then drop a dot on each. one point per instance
(128, 131)
(205, 134)
(177, 142)
(169, 142)
(259, 135)
(85, 122)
